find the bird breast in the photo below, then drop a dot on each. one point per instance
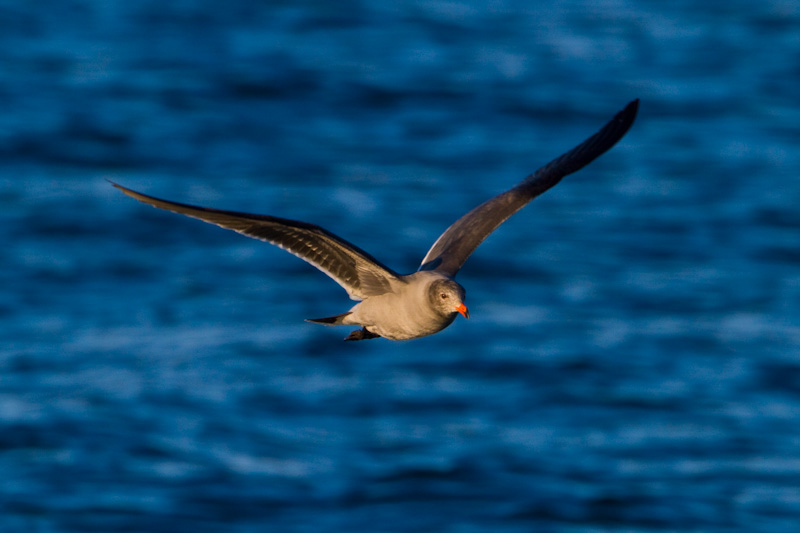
(405, 313)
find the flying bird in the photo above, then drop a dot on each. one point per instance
(392, 305)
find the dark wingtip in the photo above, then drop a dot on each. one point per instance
(118, 186)
(136, 195)
(628, 115)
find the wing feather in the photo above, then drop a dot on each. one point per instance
(359, 273)
(456, 244)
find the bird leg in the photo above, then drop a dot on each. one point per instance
(361, 334)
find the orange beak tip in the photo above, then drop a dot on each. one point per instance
(463, 310)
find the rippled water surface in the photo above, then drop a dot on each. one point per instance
(633, 358)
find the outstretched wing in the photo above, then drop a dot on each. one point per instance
(359, 273)
(454, 246)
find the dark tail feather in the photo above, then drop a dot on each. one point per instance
(335, 320)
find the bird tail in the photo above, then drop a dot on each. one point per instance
(336, 320)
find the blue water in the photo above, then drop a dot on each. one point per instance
(633, 358)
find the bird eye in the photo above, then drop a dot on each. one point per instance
(444, 296)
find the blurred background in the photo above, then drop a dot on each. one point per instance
(633, 358)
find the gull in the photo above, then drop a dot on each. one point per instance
(392, 305)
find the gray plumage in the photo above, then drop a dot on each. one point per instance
(457, 243)
(395, 306)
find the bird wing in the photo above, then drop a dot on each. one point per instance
(359, 273)
(454, 246)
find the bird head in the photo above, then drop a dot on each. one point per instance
(447, 297)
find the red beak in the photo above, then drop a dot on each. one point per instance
(463, 310)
